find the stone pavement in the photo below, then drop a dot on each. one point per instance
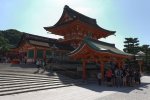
(141, 92)
(88, 92)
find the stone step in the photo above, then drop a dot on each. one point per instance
(16, 91)
(28, 87)
(21, 82)
(15, 77)
(27, 74)
(30, 76)
(8, 84)
(13, 83)
(2, 77)
(34, 75)
(18, 80)
(12, 86)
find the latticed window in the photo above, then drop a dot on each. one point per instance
(39, 53)
(31, 54)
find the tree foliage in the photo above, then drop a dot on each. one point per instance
(13, 36)
(145, 48)
(9, 38)
(131, 45)
(4, 46)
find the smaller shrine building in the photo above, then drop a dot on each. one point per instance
(32, 47)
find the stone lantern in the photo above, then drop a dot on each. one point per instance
(140, 57)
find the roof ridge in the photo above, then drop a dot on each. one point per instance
(67, 7)
(37, 37)
(100, 42)
(78, 14)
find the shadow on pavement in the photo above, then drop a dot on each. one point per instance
(125, 89)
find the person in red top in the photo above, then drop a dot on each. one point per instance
(109, 76)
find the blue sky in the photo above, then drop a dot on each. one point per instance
(129, 18)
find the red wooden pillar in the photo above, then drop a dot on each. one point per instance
(120, 65)
(84, 77)
(102, 69)
(35, 54)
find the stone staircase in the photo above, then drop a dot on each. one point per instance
(15, 82)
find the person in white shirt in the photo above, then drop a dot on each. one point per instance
(99, 78)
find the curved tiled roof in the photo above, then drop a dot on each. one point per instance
(77, 16)
(100, 47)
(43, 41)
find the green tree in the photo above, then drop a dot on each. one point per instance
(131, 45)
(145, 48)
(4, 46)
(13, 36)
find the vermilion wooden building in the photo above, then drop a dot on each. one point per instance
(32, 47)
(82, 33)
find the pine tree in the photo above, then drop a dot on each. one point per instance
(131, 45)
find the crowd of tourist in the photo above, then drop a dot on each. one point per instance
(4, 60)
(121, 76)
